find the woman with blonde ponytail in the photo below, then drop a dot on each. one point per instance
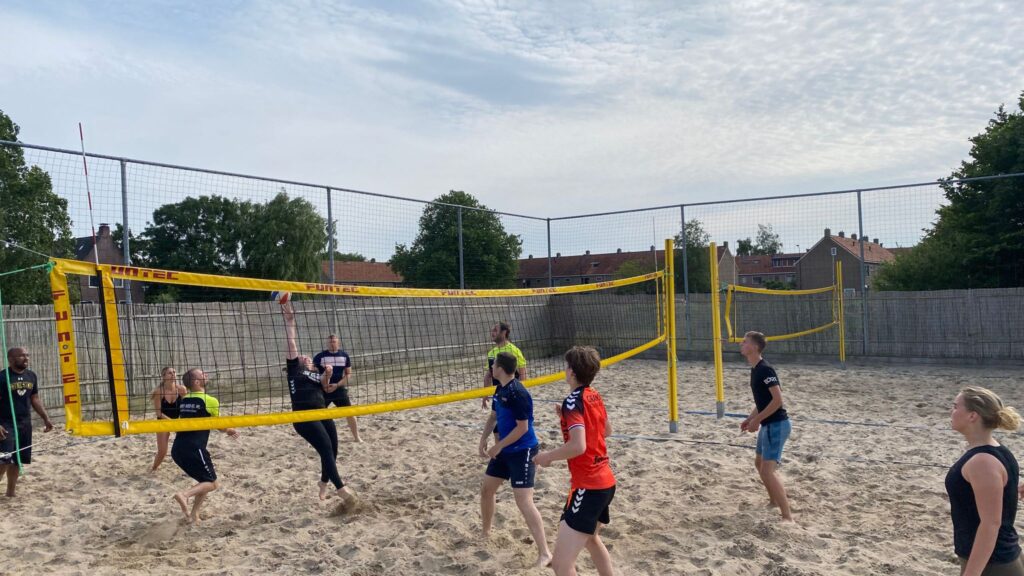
(982, 487)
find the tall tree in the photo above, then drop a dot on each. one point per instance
(697, 263)
(285, 240)
(490, 255)
(201, 234)
(978, 239)
(745, 247)
(136, 245)
(32, 216)
(767, 241)
(345, 256)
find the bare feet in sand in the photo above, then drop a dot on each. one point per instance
(543, 561)
(349, 502)
(323, 490)
(183, 502)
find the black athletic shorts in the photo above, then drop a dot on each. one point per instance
(339, 397)
(586, 507)
(24, 439)
(195, 461)
(516, 467)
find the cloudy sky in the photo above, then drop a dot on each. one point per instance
(602, 106)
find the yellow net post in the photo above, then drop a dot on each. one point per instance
(716, 334)
(841, 314)
(670, 338)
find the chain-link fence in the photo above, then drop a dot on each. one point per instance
(779, 242)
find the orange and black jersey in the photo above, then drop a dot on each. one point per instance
(583, 407)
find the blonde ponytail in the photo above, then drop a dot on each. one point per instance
(989, 407)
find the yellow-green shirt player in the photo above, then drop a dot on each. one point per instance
(500, 333)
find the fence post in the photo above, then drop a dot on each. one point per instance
(462, 275)
(551, 280)
(686, 276)
(127, 284)
(863, 280)
(331, 248)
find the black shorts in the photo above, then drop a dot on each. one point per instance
(24, 440)
(339, 397)
(586, 507)
(517, 467)
(194, 461)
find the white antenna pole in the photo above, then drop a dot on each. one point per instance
(88, 193)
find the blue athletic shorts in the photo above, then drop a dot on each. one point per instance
(771, 438)
(517, 467)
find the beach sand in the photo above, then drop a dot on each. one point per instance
(869, 499)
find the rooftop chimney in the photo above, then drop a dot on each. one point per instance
(373, 260)
(618, 250)
(725, 244)
(104, 229)
(853, 236)
(588, 252)
(557, 254)
(842, 234)
(877, 242)
(652, 247)
(529, 257)
(828, 232)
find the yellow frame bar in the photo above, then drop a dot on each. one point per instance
(69, 376)
(257, 284)
(841, 313)
(115, 350)
(774, 292)
(716, 332)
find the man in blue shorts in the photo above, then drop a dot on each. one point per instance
(511, 457)
(336, 391)
(768, 419)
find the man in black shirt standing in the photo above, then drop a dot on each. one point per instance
(341, 366)
(768, 419)
(24, 392)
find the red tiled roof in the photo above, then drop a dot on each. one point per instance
(873, 253)
(584, 264)
(762, 264)
(352, 272)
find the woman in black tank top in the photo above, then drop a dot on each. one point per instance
(166, 398)
(982, 487)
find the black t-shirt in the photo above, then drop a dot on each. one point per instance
(304, 387)
(23, 386)
(196, 405)
(963, 507)
(339, 360)
(762, 378)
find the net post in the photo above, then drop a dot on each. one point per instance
(670, 337)
(716, 331)
(842, 314)
(115, 353)
(686, 277)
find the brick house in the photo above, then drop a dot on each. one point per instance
(756, 270)
(815, 267)
(590, 268)
(370, 273)
(108, 254)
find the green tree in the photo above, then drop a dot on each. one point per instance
(345, 256)
(201, 234)
(767, 241)
(779, 285)
(631, 268)
(284, 240)
(697, 262)
(32, 216)
(745, 247)
(136, 245)
(978, 239)
(490, 255)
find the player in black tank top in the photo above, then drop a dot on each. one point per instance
(165, 409)
(306, 388)
(983, 488)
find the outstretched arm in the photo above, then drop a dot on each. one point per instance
(289, 330)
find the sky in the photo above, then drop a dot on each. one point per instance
(541, 108)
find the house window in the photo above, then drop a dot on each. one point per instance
(586, 280)
(118, 283)
(757, 279)
(94, 282)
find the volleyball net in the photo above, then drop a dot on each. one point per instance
(409, 348)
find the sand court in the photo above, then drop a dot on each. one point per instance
(864, 469)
